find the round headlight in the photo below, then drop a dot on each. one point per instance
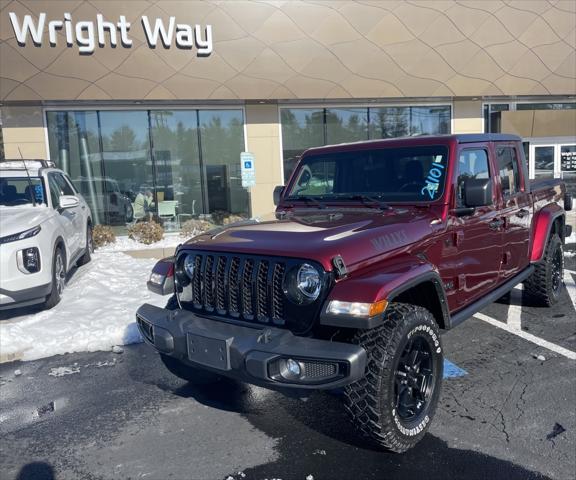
(189, 265)
(308, 282)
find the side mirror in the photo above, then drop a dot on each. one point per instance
(478, 192)
(278, 191)
(69, 201)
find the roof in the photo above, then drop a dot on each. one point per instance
(18, 167)
(423, 140)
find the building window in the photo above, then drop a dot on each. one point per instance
(303, 128)
(493, 117)
(546, 106)
(170, 165)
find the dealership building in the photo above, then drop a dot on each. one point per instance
(165, 96)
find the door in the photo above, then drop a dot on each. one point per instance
(70, 218)
(477, 236)
(515, 208)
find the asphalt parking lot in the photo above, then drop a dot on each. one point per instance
(508, 413)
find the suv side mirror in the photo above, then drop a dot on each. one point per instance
(69, 201)
(278, 194)
(478, 192)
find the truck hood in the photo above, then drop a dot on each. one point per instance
(19, 219)
(357, 234)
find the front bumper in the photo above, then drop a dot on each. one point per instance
(25, 297)
(247, 354)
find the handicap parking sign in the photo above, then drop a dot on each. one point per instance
(247, 169)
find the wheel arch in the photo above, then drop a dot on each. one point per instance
(409, 281)
(60, 243)
(426, 291)
(549, 220)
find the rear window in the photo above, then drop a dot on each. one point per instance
(408, 174)
(21, 191)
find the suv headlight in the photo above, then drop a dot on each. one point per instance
(185, 269)
(304, 285)
(21, 236)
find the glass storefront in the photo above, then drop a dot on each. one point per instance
(171, 165)
(303, 128)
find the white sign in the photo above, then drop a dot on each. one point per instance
(86, 34)
(247, 169)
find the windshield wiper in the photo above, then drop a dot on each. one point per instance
(308, 199)
(369, 201)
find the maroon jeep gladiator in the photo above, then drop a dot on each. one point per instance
(375, 248)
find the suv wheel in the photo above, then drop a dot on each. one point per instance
(180, 369)
(393, 405)
(84, 259)
(58, 279)
(545, 284)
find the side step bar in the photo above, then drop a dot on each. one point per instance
(478, 305)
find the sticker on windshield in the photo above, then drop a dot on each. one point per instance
(38, 193)
(433, 178)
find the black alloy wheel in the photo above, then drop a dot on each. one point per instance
(557, 269)
(414, 380)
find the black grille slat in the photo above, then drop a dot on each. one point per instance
(197, 281)
(209, 283)
(234, 287)
(239, 286)
(262, 309)
(220, 281)
(247, 291)
(277, 293)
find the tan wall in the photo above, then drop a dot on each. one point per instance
(263, 139)
(540, 123)
(302, 49)
(467, 117)
(23, 132)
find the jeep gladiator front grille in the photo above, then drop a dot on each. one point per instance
(246, 288)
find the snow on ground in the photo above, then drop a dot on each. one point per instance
(123, 244)
(96, 311)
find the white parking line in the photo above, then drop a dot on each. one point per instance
(515, 308)
(527, 336)
(570, 286)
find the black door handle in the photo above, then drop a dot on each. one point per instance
(522, 213)
(496, 224)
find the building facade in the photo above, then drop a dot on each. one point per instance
(161, 97)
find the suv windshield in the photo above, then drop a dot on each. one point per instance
(407, 174)
(20, 191)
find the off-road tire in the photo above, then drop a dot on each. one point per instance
(181, 370)
(84, 259)
(542, 285)
(57, 287)
(371, 402)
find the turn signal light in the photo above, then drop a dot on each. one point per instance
(338, 307)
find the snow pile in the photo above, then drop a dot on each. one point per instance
(572, 238)
(123, 244)
(96, 311)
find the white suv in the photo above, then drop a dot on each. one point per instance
(45, 228)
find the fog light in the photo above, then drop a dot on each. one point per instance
(290, 369)
(29, 260)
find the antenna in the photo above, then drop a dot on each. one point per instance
(32, 195)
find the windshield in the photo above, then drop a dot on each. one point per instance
(20, 190)
(408, 174)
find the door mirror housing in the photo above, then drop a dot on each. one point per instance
(278, 191)
(69, 201)
(478, 192)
